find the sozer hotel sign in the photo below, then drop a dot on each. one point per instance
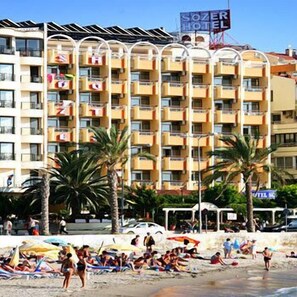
(207, 21)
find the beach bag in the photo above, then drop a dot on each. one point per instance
(236, 244)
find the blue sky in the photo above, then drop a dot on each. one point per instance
(268, 25)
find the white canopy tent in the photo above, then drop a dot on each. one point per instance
(212, 207)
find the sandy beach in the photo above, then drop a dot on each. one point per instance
(148, 283)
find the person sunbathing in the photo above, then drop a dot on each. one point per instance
(292, 255)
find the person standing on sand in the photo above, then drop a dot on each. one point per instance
(253, 249)
(67, 269)
(267, 254)
(227, 248)
(148, 242)
(81, 267)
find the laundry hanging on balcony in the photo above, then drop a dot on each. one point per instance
(63, 107)
(62, 58)
(62, 84)
(51, 77)
(95, 59)
(97, 86)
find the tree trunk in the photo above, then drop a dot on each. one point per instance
(249, 206)
(45, 192)
(113, 200)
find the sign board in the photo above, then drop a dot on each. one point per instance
(231, 216)
(205, 21)
(264, 194)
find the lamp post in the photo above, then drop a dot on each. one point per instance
(199, 178)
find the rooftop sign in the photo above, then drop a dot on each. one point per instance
(208, 21)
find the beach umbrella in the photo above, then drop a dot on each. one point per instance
(15, 258)
(122, 247)
(182, 238)
(37, 247)
(56, 241)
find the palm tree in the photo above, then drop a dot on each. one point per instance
(77, 182)
(110, 148)
(241, 156)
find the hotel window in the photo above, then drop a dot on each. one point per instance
(6, 151)
(89, 98)
(6, 125)
(29, 47)
(6, 72)
(140, 76)
(86, 123)
(89, 72)
(6, 98)
(35, 100)
(197, 79)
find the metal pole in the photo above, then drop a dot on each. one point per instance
(122, 201)
(199, 186)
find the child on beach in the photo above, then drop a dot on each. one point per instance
(253, 249)
(227, 248)
(267, 254)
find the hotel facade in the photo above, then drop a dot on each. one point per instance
(176, 99)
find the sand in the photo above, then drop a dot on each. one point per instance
(145, 283)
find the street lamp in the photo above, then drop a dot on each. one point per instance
(199, 178)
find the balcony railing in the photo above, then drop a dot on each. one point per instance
(31, 79)
(31, 105)
(30, 53)
(31, 157)
(6, 130)
(7, 156)
(254, 113)
(5, 50)
(254, 89)
(6, 104)
(6, 77)
(31, 131)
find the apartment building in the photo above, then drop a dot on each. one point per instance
(176, 100)
(283, 109)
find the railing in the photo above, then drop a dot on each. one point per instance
(6, 77)
(32, 131)
(66, 130)
(176, 58)
(31, 157)
(174, 182)
(30, 53)
(117, 82)
(144, 133)
(228, 62)
(117, 55)
(143, 182)
(176, 84)
(227, 111)
(183, 135)
(5, 50)
(7, 156)
(200, 86)
(254, 65)
(254, 113)
(144, 56)
(288, 144)
(175, 108)
(225, 87)
(200, 61)
(177, 159)
(6, 104)
(196, 159)
(144, 108)
(199, 110)
(31, 78)
(31, 105)
(93, 104)
(118, 107)
(254, 89)
(6, 130)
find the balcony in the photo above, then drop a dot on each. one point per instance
(218, 142)
(119, 87)
(144, 113)
(31, 131)
(169, 138)
(174, 89)
(174, 114)
(201, 115)
(60, 83)
(203, 164)
(226, 92)
(119, 112)
(118, 61)
(85, 135)
(201, 91)
(144, 88)
(60, 109)
(59, 57)
(173, 64)
(255, 70)
(92, 110)
(172, 185)
(143, 138)
(141, 163)
(279, 127)
(7, 104)
(6, 50)
(203, 139)
(254, 118)
(60, 134)
(226, 116)
(7, 130)
(31, 157)
(255, 94)
(200, 66)
(92, 59)
(227, 68)
(174, 163)
(31, 105)
(92, 83)
(7, 157)
(144, 62)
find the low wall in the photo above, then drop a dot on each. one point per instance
(212, 240)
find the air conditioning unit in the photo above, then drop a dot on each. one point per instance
(184, 72)
(122, 121)
(122, 70)
(121, 96)
(184, 147)
(183, 98)
(184, 171)
(235, 76)
(70, 66)
(70, 92)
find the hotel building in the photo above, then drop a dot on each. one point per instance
(176, 98)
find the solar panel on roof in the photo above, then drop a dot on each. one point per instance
(96, 29)
(74, 27)
(9, 23)
(139, 31)
(26, 24)
(55, 27)
(118, 30)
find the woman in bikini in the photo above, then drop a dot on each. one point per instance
(67, 269)
(81, 267)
